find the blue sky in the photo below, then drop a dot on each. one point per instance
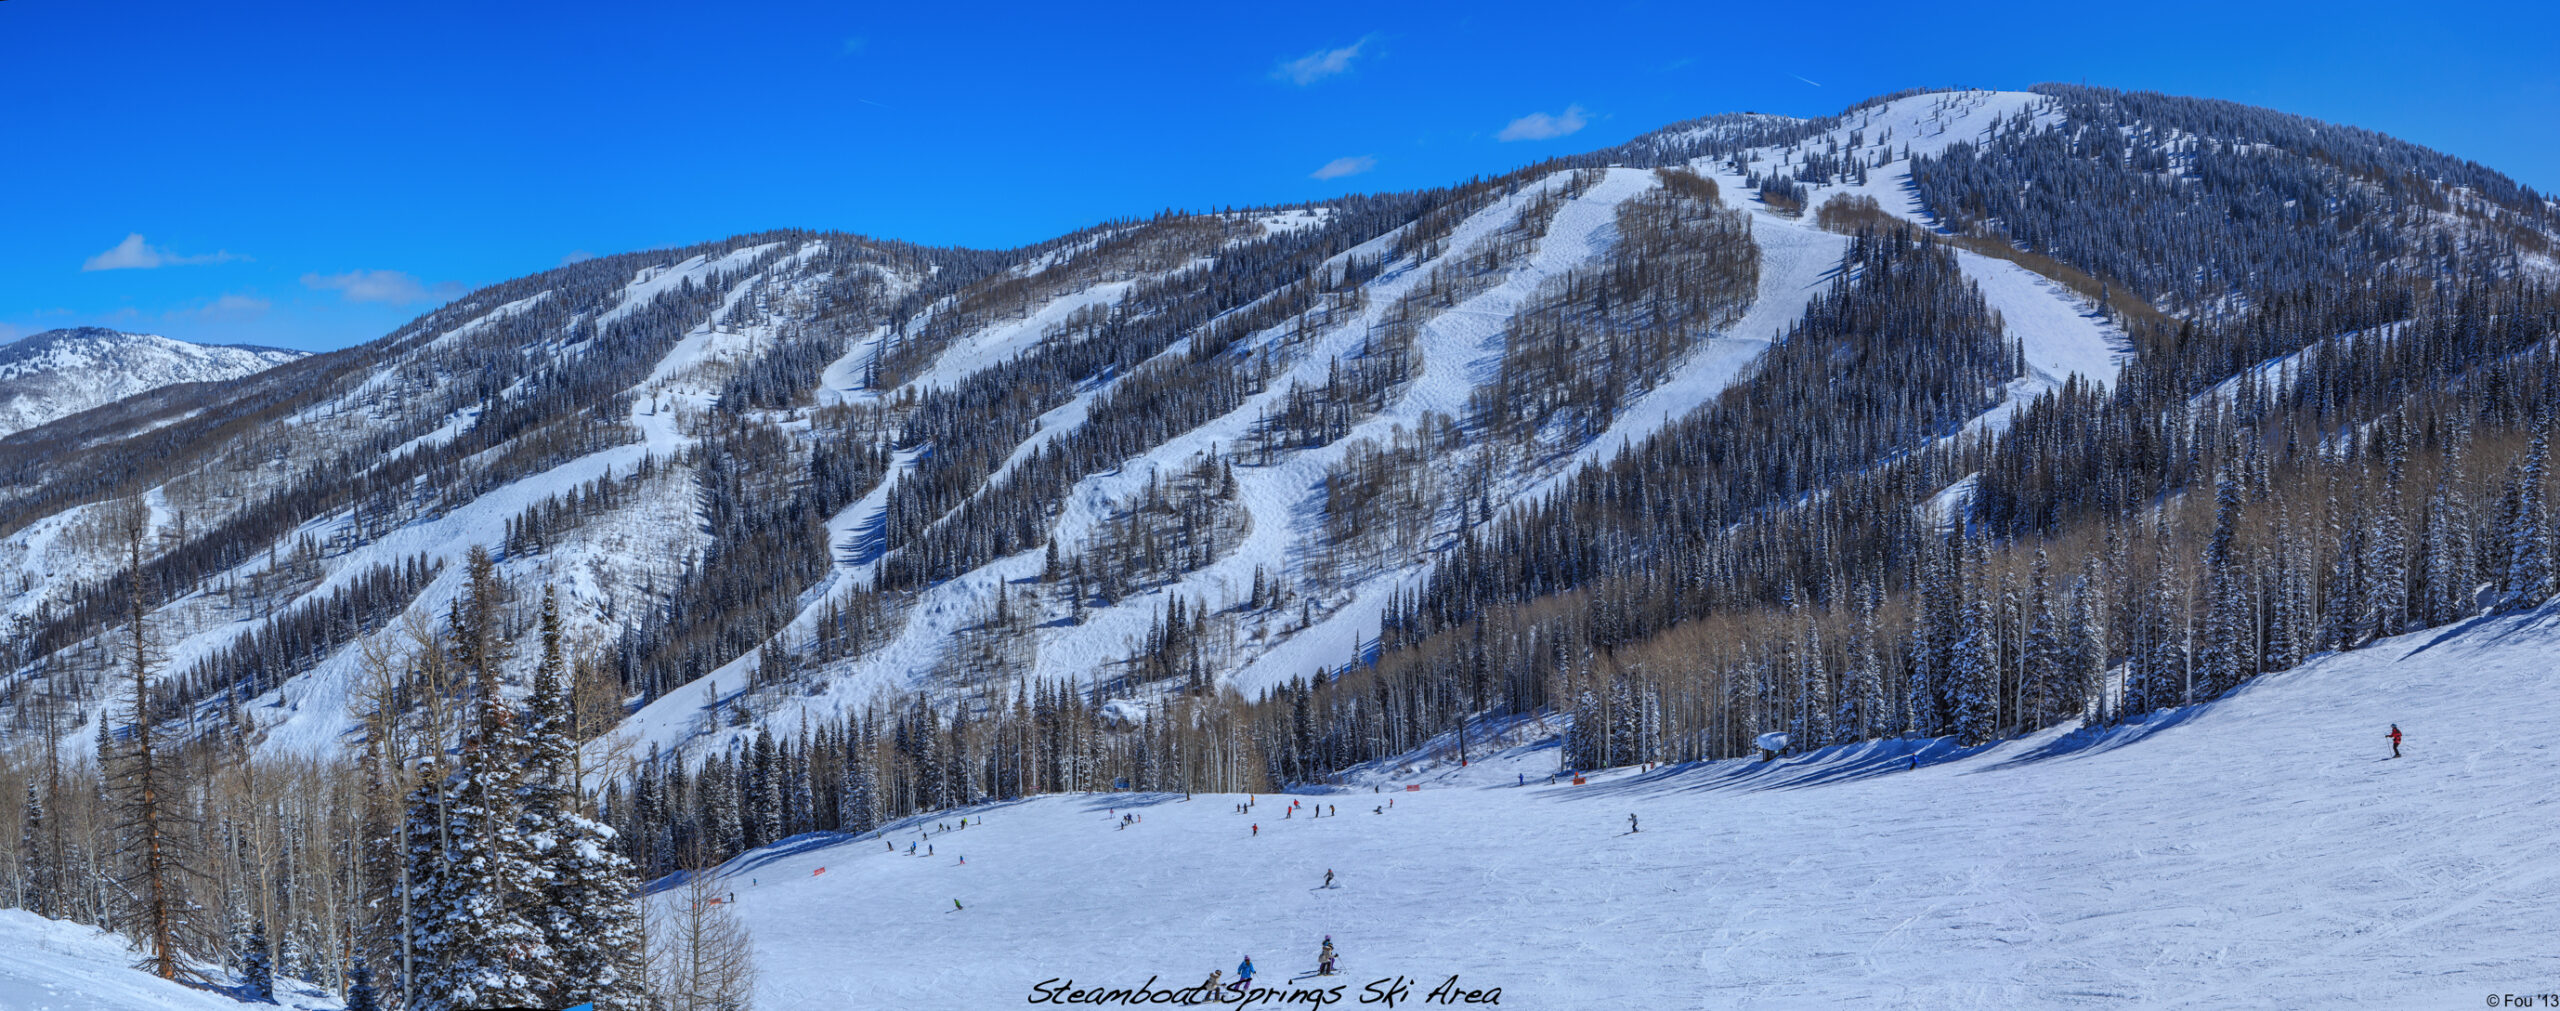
(312, 176)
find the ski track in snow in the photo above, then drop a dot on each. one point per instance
(2258, 851)
(1460, 349)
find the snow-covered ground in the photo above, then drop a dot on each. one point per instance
(51, 965)
(2261, 851)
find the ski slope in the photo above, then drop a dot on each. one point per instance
(54, 965)
(2260, 851)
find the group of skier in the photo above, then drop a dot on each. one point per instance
(1326, 961)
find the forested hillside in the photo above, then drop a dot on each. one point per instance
(1958, 414)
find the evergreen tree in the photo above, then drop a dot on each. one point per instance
(257, 966)
(35, 872)
(2529, 570)
(361, 995)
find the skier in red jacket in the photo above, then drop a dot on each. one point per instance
(2395, 740)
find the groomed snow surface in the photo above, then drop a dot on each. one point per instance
(2260, 851)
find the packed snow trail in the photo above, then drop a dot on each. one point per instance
(2258, 851)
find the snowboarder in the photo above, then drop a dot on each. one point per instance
(1328, 879)
(1324, 959)
(2395, 740)
(1631, 824)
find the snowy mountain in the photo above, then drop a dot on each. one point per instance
(63, 372)
(1951, 421)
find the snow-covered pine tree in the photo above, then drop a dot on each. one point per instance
(588, 921)
(257, 965)
(2386, 568)
(475, 938)
(2085, 643)
(35, 873)
(2340, 607)
(1813, 681)
(764, 809)
(361, 994)
(1973, 669)
(2047, 675)
(2230, 633)
(2528, 579)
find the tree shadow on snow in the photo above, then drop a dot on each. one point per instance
(1826, 767)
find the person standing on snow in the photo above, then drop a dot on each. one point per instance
(2395, 740)
(1631, 824)
(1244, 974)
(1328, 877)
(1324, 959)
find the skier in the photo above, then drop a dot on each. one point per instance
(1324, 959)
(2395, 740)
(955, 905)
(1214, 976)
(1244, 974)
(1328, 877)
(1631, 824)
(1257, 830)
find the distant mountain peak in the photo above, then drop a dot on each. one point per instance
(59, 373)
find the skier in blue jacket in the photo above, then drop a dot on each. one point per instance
(1244, 973)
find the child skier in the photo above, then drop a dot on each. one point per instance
(1244, 974)
(1324, 959)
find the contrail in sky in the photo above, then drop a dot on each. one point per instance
(1806, 80)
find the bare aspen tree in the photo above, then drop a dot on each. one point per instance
(701, 957)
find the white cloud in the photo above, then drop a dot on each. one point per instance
(135, 254)
(389, 286)
(234, 306)
(1340, 167)
(576, 256)
(1540, 126)
(1321, 64)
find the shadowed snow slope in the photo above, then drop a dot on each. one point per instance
(51, 965)
(2258, 851)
